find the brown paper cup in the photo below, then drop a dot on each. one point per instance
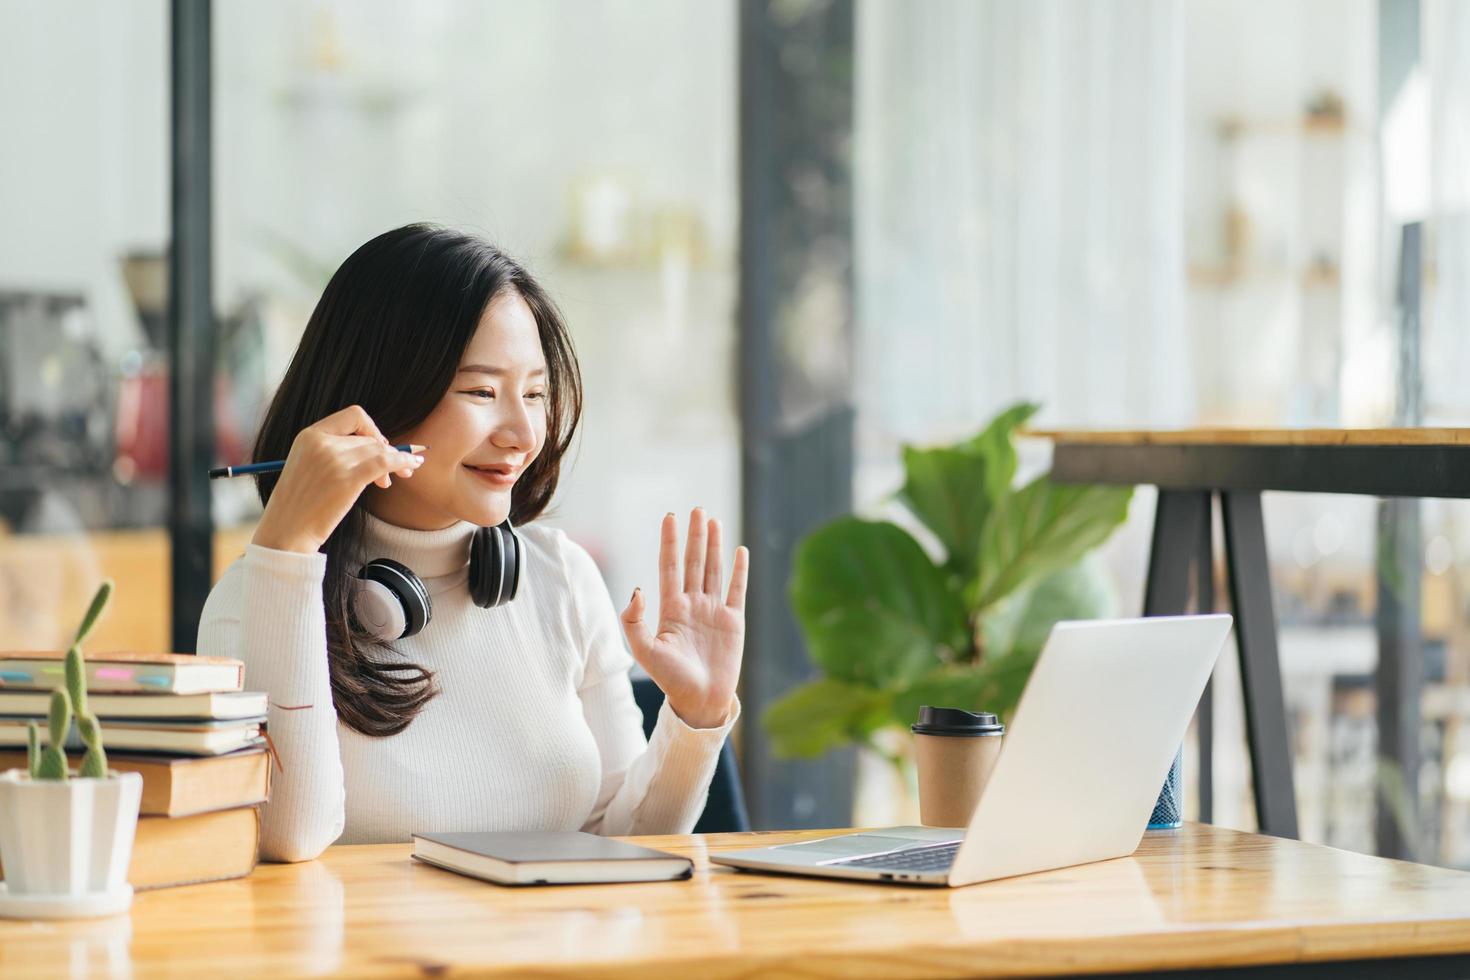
(953, 770)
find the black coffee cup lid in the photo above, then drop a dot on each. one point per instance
(956, 721)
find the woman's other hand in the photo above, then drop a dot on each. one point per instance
(694, 656)
(330, 464)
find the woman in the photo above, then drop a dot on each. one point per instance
(516, 717)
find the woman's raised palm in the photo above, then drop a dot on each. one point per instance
(694, 654)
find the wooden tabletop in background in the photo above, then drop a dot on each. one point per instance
(1197, 896)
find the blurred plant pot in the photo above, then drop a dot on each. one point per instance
(65, 844)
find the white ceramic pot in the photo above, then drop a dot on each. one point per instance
(66, 840)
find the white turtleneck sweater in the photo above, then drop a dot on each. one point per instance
(534, 728)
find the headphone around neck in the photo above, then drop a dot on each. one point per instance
(389, 602)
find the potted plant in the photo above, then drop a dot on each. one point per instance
(65, 840)
(892, 626)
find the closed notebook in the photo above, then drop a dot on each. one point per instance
(124, 672)
(227, 706)
(179, 786)
(547, 858)
(154, 735)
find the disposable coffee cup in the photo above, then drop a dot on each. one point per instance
(956, 751)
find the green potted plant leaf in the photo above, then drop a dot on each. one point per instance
(892, 626)
(65, 840)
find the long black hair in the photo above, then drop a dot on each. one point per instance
(388, 334)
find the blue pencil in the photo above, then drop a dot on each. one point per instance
(276, 465)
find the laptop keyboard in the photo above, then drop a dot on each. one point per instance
(937, 858)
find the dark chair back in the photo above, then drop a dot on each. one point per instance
(725, 810)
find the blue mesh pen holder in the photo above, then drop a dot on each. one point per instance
(1169, 811)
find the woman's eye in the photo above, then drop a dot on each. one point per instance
(486, 394)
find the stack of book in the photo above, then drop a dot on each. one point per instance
(181, 722)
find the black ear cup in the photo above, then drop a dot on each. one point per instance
(495, 565)
(388, 600)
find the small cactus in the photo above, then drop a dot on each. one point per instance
(51, 763)
(94, 763)
(76, 680)
(33, 750)
(94, 611)
(53, 760)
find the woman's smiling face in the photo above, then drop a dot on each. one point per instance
(484, 432)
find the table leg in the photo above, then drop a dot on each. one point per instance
(1204, 715)
(1178, 518)
(1260, 664)
(1400, 674)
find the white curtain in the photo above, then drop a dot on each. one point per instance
(1018, 199)
(1446, 357)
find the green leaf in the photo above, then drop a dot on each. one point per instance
(953, 489)
(994, 685)
(94, 611)
(995, 445)
(1040, 528)
(1023, 620)
(1017, 627)
(947, 489)
(823, 714)
(874, 610)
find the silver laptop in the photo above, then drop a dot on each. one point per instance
(1080, 770)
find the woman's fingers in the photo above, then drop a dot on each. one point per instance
(378, 464)
(668, 563)
(703, 560)
(352, 436)
(640, 637)
(736, 598)
(351, 421)
(694, 552)
(714, 564)
(409, 463)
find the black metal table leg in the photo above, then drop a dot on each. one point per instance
(1177, 521)
(1178, 518)
(1400, 675)
(1204, 716)
(1260, 664)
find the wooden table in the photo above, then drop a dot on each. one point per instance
(1193, 898)
(1191, 468)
